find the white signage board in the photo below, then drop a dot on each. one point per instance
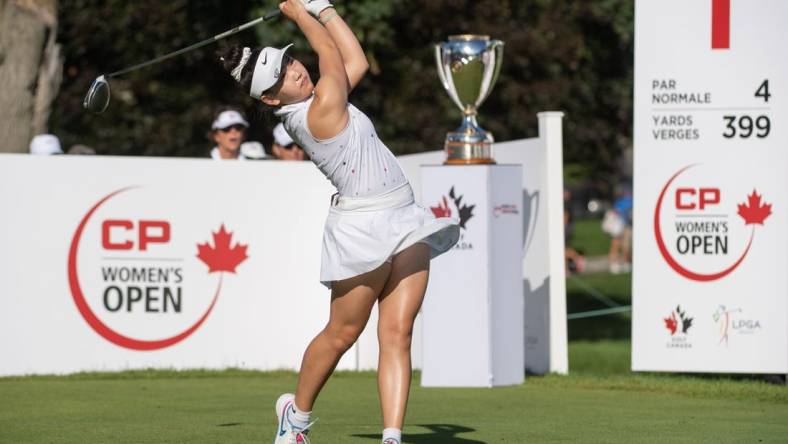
(121, 263)
(710, 292)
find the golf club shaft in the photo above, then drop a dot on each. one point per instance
(237, 29)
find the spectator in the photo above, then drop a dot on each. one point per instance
(79, 149)
(618, 224)
(283, 147)
(45, 145)
(575, 262)
(228, 131)
(253, 150)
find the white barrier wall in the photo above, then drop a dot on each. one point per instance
(119, 263)
(709, 285)
(544, 286)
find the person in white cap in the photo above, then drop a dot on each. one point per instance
(377, 242)
(228, 131)
(284, 147)
(45, 145)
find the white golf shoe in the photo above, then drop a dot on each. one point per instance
(285, 432)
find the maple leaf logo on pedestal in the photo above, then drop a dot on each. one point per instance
(221, 256)
(443, 210)
(753, 212)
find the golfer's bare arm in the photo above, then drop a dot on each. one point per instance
(356, 64)
(328, 114)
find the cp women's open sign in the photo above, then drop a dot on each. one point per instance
(139, 284)
(710, 180)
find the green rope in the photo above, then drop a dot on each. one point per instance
(602, 312)
(593, 292)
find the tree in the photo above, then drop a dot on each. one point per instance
(560, 55)
(161, 110)
(30, 69)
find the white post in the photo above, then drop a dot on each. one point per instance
(550, 130)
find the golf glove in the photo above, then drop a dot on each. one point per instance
(315, 7)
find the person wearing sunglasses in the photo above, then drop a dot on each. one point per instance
(228, 132)
(283, 147)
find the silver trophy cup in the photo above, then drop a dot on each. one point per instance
(468, 66)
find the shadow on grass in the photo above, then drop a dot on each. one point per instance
(441, 434)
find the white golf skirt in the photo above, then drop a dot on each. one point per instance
(363, 233)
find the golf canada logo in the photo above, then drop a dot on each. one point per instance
(134, 275)
(732, 321)
(453, 205)
(678, 324)
(704, 231)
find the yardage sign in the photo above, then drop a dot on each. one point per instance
(710, 287)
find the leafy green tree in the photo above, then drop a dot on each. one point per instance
(162, 110)
(560, 55)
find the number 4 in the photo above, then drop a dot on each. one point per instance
(763, 91)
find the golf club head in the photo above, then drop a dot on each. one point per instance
(97, 98)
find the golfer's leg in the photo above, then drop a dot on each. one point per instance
(399, 304)
(351, 303)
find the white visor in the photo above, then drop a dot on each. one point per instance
(45, 144)
(267, 69)
(229, 118)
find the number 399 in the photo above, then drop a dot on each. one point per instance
(745, 126)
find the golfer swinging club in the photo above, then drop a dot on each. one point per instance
(377, 243)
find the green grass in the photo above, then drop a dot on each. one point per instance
(600, 358)
(588, 237)
(600, 402)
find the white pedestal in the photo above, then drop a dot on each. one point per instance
(474, 309)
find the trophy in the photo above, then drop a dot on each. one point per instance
(468, 66)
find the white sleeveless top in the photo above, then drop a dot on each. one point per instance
(356, 161)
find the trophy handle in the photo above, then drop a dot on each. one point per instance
(447, 81)
(493, 61)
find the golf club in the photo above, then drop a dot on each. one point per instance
(97, 98)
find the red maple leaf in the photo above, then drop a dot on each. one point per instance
(671, 323)
(752, 211)
(442, 210)
(221, 257)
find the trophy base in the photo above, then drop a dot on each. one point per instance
(465, 153)
(468, 162)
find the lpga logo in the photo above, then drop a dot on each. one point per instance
(697, 242)
(731, 321)
(130, 280)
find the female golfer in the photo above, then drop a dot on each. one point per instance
(377, 242)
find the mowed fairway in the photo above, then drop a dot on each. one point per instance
(237, 407)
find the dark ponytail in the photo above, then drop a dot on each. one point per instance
(231, 56)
